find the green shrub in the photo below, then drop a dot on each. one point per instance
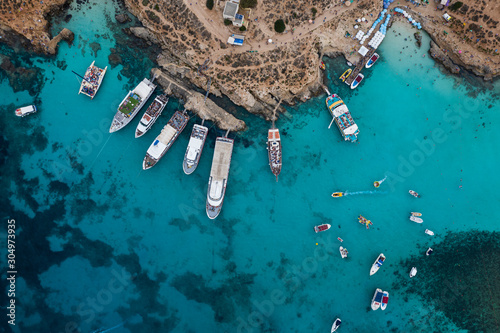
(243, 28)
(227, 22)
(210, 4)
(145, 2)
(314, 11)
(152, 16)
(248, 3)
(279, 26)
(157, 8)
(456, 5)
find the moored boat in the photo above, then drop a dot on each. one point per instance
(415, 194)
(164, 141)
(377, 299)
(218, 176)
(343, 252)
(194, 148)
(322, 65)
(92, 80)
(25, 110)
(385, 300)
(429, 251)
(355, 83)
(416, 219)
(377, 264)
(345, 75)
(151, 114)
(338, 194)
(416, 214)
(131, 104)
(429, 232)
(274, 150)
(336, 325)
(413, 272)
(342, 117)
(322, 227)
(372, 60)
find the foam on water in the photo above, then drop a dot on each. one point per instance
(89, 213)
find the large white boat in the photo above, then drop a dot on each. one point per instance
(92, 80)
(194, 148)
(274, 150)
(218, 176)
(131, 104)
(151, 114)
(377, 264)
(164, 141)
(25, 110)
(377, 299)
(342, 117)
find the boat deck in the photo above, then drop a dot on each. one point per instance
(92, 80)
(273, 134)
(222, 158)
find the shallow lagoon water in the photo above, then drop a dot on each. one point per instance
(145, 254)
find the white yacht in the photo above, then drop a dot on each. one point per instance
(218, 176)
(151, 114)
(131, 104)
(194, 148)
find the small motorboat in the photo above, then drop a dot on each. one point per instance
(429, 232)
(322, 227)
(372, 60)
(365, 221)
(416, 219)
(377, 264)
(416, 214)
(415, 194)
(338, 194)
(343, 252)
(26, 110)
(377, 183)
(377, 299)
(357, 81)
(322, 65)
(429, 251)
(336, 325)
(346, 74)
(385, 300)
(349, 64)
(413, 272)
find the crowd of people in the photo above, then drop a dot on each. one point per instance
(91, 80)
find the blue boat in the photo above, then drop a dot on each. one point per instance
(377, 299)
(357, 81)
(372, 60)
(376, 265)
(342, 117)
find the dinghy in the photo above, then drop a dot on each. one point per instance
(413, 272)
(416, 219)
(429, 232)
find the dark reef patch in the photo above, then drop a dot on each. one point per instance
(224, 300)
(461, 279)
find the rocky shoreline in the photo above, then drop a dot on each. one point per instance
(285, 71)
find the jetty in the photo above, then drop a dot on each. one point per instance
(219, 175)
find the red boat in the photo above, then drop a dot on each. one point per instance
(322, 227)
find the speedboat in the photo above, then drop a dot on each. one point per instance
(377, 264)
(338, 194)
(429, 232)
(377, 299)
(385, 300)
(415, 194)
(336, 325)
(416, 214)
(429, 251)
(346, 74)
(357, 81)
(343, 252)
(413, 272)
(26, 110)
(372, 60)
(416, 219)
(322, 227)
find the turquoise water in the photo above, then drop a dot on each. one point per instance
(103, 244)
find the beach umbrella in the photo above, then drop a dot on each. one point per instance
(269, 40)
(356, 26)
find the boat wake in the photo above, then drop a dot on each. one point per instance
(364, 192)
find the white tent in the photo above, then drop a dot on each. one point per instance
(363, 51)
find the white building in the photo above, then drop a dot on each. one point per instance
(231, 12)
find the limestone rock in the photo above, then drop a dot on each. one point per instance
(122, 18)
